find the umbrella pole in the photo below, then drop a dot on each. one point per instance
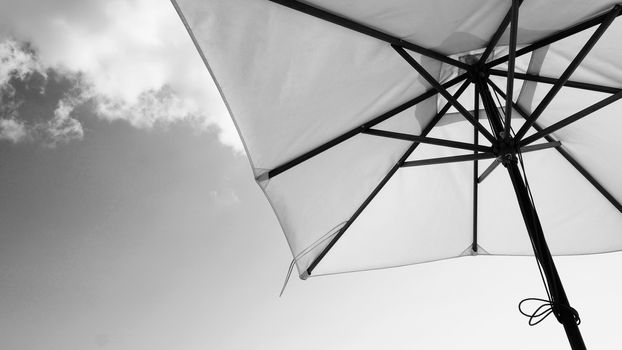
(561, 306)
(506, 149)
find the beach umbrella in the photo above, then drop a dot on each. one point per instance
(396, 132)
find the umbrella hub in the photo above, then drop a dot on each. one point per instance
(505, 149)
(477, 70)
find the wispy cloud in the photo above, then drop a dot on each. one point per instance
(20, 66)
(151, 108)
(16, 61)
(62, 127)
(130, 60)
(12, 130)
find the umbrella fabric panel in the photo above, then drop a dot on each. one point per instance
(447, 26)
(500, 226)
(541, 18)
(315, 198)
(601, 66)
(422, 214)
(594, 140)
(452, 27)
(291, 81)
(575, 217)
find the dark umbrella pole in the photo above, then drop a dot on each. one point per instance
(561, 307)
(509, 156)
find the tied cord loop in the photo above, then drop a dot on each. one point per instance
(546, 308)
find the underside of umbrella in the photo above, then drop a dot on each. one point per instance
(376, 128)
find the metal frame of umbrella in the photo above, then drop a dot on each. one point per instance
(506, 148)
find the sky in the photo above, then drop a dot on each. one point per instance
(130, 218)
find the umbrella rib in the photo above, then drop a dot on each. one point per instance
(571, 119)
(475, 168)
(384, 181)
(511, 61)
(549, 80)
(450, 159)
(540, 146)
(488, 103)
(526, 149)
(497, 35)
(569, 70)
(359, 129)
(441, 90)
(564, 33)
(495, 163)
(363, 29)
(586, 175)
(603, 191)
(477, 156)
(428, 140)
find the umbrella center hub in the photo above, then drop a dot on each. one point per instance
(505, 149)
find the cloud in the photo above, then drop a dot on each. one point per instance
(133, 60)
(150, 108)
(16, 61)
(12, 130)
(21, 66)
(62, 128)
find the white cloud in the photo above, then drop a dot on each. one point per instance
(16, 61)
(62, 128)
(135, 58)
(12, 130)
(19, 62)
(149, 108)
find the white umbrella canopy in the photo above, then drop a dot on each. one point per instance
(362, 126)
